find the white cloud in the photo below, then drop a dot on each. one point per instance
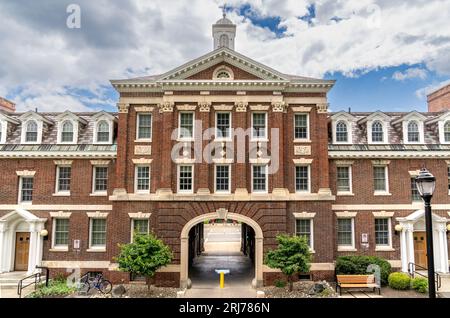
(410, 73)
(425, 91)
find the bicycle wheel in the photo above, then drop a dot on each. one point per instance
(105, 286)
(84, 287)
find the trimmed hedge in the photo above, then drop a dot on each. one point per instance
(357, 265)
(399, 281)
(420, 284)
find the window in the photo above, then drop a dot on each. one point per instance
(63, 179)
(259, 178)
(413, 132)
(31, 134)
(302, 178)
(222, 178)
(377, 132)
(223, 75)
(379, 179)
(1, 133)
(415, 195)
(186, 129)
(142, 183)
(345, 232)
(301, 126)
(185, 179)
(67, 131)
(61, 233)
(144, 126)
(448, 178)
(382, 232)
(100, 179)
(26, 189)
(223, 125)
(224, 41)
(341, 132)
(343, 179)
(447, 131)
(140, 226)
(259, 125)
(304, 228)
(103, 131)
(98, 233)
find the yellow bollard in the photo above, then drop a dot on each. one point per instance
(222, 280)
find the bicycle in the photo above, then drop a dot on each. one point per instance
(98, 282)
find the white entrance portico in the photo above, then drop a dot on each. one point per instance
(20, 220)
(415, 222)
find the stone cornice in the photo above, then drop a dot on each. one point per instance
(334, 154)
(57, 154)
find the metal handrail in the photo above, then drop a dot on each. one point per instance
(37, 280)
(412, 271)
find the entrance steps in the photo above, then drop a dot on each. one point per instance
(11, 280)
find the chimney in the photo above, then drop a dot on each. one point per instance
(7, 105)
(439, 100)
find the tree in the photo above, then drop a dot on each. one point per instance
(144, 256)
(292, 256)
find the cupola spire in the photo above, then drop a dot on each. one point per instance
(224, 32)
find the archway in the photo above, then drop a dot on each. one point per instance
(221, 214)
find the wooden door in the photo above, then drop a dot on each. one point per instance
(22, 249)
(420, 248)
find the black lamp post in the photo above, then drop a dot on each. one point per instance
(426, 184)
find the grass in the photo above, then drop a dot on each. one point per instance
(55, 288)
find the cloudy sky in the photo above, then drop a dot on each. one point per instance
(385, 54)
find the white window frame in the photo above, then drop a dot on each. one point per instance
(253, 137)
(20, 190)
(100, 248)
(94, 175)
(347, 247)
(309, 179)
(132, 226)
(349, 132)
(441, 125)
(370, 133)
(60, 131)
(350, 176)
(4, 131)
(386, 176)
(62, 193)
(39, 124)
(151, 127)
(311, 229)
(228, 138)
(136, 167)
(111, 129)
(59, 247)
(229, 179)
(384, 247)
(266, 166)
(420, 126)
(179, 126)
(308, 132)
(192, 181)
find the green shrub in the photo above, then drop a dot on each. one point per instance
(280, 283)
(420, 284)
(357, 265)
(400, 281)
(55, 288)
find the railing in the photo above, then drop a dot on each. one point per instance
(37, 279)
(412, 270)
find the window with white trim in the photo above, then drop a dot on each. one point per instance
(100, 177)
(186, 125)
(144, 124)
(377, 131)
(223, 125)
(140, 226)
(259, 125)
(344, 179)
(67, 131)
(259, 178)
(447, 131)
(222, 181)
(415, 195)
(413, 131)
(185, 178)
(302, 178)
(380, 182)
(448, 179)
(1, 132)
(26, 189)
(345, 232)
(103, 132)
(341, 131)
(142, 179)
(31, 132)
(63, 177)
(60, 233)
(383, 232)
(301, 126)
(97, 237)
(304, 228)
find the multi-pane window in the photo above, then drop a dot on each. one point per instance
(98, 232)
(140, 226)
(144, 126)
(447, 131)
(222, 178)
(100, 179)
(61, 234)
(413, 132)
(448, 178)
(31, 134)
(185, 181)
(302, 178)
(259, 121)
(259, 178)
(103, 131)
(343, 179)
(142, 178)
(186, 129)
(64, 176)
(379, 179)
(341, 132)
(301, 126)
(67, 131)
(382, 232)
(415, 195)
(303, 228)
(223, 125)
(377, 132)
(26, 190)
(345, 232)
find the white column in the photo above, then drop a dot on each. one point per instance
(33, 249)
(184, 263)
(3, 249)
(258, 263)
(410, 242)
(443, 248)
(404, 251)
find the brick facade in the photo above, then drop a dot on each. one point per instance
(439, 100)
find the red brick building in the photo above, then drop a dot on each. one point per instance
(439, 100)
(220, 137)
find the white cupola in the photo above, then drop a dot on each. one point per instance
(224, 32)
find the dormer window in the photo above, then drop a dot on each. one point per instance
(103, 131)
(341, 131)
(377, 132)
(31, 134)
(67, 131)
(341, 127)
(413, 131)
(447, 131)
(103, 128)
(1, 133)
(412, 127)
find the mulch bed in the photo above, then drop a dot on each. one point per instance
(301, 289)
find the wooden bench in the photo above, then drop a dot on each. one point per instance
(356, 281)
